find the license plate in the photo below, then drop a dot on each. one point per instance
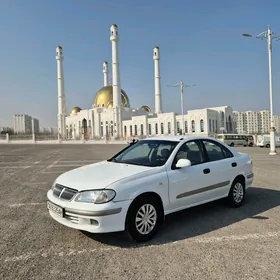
(55, 209)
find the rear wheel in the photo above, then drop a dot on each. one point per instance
(267, 145)
(144, 218)
(236, 194)
(232, 144)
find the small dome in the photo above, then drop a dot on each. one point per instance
(146, 108)
(75, 110)
(104, 98)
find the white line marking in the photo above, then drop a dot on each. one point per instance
(82, 160)
(51, 165)
(65, 165)
(26, 204)
(73, 252)
(52, 172)
(14, 167)
(36, 183)
(238, 237)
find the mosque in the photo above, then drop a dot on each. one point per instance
(112, 115)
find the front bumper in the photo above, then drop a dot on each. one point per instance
(94, 218)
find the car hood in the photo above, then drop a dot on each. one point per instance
(98, 175)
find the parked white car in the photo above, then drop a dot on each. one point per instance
(138, 187)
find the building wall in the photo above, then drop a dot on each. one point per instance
(99, 123)
(254, 122)
(36, 126)
(196, 122)
(22, 123)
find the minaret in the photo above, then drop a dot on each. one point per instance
(158, 101)
(116, 82)
(61, 116)
(106, 71)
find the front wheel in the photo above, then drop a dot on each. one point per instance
(144, 218)
(267, 145)
(236, 194)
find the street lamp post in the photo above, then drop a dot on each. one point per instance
(181, 85)
(268, 35)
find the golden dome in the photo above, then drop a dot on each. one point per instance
(75, 110)
(104, 98)
(146, 108)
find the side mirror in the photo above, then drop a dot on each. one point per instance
(181, 163)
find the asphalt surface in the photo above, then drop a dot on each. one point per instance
(206, 242)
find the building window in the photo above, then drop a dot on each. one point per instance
(156, 125)
(169, 127)
(210, 126)
(155, 54)
(150, 129)
(124, 128)
(161, 128)
(142, 129)
(130, 130)
(112, 130)
(135, 129)
(186, 126)
(201, 126)
(193, 126)
(101, 131)
(178, 127)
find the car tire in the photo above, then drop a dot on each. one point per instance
(267, 146)
(140, 207)
(232, 144)
(237, 193)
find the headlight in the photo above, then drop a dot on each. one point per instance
(97, 196)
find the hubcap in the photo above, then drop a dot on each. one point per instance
(146, 218)
(238, 192)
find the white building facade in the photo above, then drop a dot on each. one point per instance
(254, 122)
(22, 123)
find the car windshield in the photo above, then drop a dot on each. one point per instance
(146, 153)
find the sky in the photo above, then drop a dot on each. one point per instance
(200, 43)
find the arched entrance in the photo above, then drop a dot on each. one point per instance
(84, 128)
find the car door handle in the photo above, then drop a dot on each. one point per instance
(206, 171)
(234, 164)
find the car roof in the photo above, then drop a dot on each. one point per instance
(178, 138)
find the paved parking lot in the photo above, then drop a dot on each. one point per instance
(206, 242)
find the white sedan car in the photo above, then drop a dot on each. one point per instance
(139, 186)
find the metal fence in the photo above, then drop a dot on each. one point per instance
(20, 137)
(44, 137)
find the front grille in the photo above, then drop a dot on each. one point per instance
(63, 192)
(72, 219)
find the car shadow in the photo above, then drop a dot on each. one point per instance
(200, 220)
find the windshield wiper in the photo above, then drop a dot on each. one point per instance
(131, 162)
(112, 160)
